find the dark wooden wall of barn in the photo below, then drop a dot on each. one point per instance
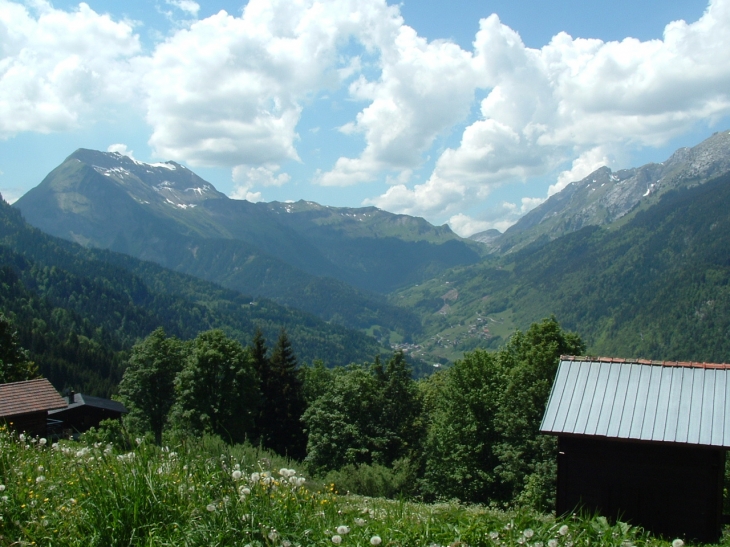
(668, 489)
(33, 423)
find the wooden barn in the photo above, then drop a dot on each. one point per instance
(642, 441)
(84, 412)
(25, 405)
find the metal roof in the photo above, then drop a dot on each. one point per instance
(642, 400)
(37, 395)
(78, 399)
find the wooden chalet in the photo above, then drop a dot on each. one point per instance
(84, 412)
(642, 441)
(24, 406)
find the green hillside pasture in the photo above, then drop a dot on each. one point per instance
(76, 494)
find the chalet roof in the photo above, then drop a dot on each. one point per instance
(660, 401)
(79, 399)
(37, 395)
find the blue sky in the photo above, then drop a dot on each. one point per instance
(436, 109)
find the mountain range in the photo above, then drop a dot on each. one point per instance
(633, 260)
(334, 262)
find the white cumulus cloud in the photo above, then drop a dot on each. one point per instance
(56, 65)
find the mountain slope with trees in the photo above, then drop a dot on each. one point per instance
(654, 286)
(78, 311)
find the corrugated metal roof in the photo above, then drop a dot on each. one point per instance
(30, 396)
(644, 400)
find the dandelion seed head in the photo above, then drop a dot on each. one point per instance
(528, 533)
(553, 543)
(39, 479)
(678, 543)
(273, 534)
(2, 488)
(42, 442)
(359, 522)
(375, 540)
(563, 530)
(236, 475)
(336, 539)
(343, 530)
(210, 507)
(21, 438)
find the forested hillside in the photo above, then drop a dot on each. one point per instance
(79, 311)
(654, 287)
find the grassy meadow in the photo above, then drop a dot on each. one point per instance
(205, 493)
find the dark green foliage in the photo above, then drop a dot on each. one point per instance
(148, 386)
(355, 422)
(483, 442)
(279, 421)
(217, 389)
(15, 366)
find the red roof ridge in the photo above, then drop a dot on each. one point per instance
(638, 361)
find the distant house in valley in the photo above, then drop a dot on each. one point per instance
(84, 412)
(643, 441)
(24, 406)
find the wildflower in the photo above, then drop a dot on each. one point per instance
(343, 530)
(236, 475)
(336, 539)
(563, 530)
(359, 522)
(528, 533)
(678, 543)
(39, 479)
(210, 507)
(375, 540)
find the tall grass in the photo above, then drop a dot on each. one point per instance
(203, 493)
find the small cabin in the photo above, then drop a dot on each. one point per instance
(24, 406)
(84, 412)
(642, 441)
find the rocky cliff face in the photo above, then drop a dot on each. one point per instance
(604, 196)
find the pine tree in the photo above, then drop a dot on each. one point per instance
(280, 425)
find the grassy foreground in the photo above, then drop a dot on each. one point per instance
(91, 495)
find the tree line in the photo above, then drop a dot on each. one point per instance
(468, 432)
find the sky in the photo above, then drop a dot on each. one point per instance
(465, 112)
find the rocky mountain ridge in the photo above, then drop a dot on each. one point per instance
(605, 197)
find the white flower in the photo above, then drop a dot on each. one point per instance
(563, 530)
(336, 539)
(236, 475)
(678, 543)
(343, 530)
(39, 479)
(528, 533)
(210, 507)
(375, 540)
(360, 522)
